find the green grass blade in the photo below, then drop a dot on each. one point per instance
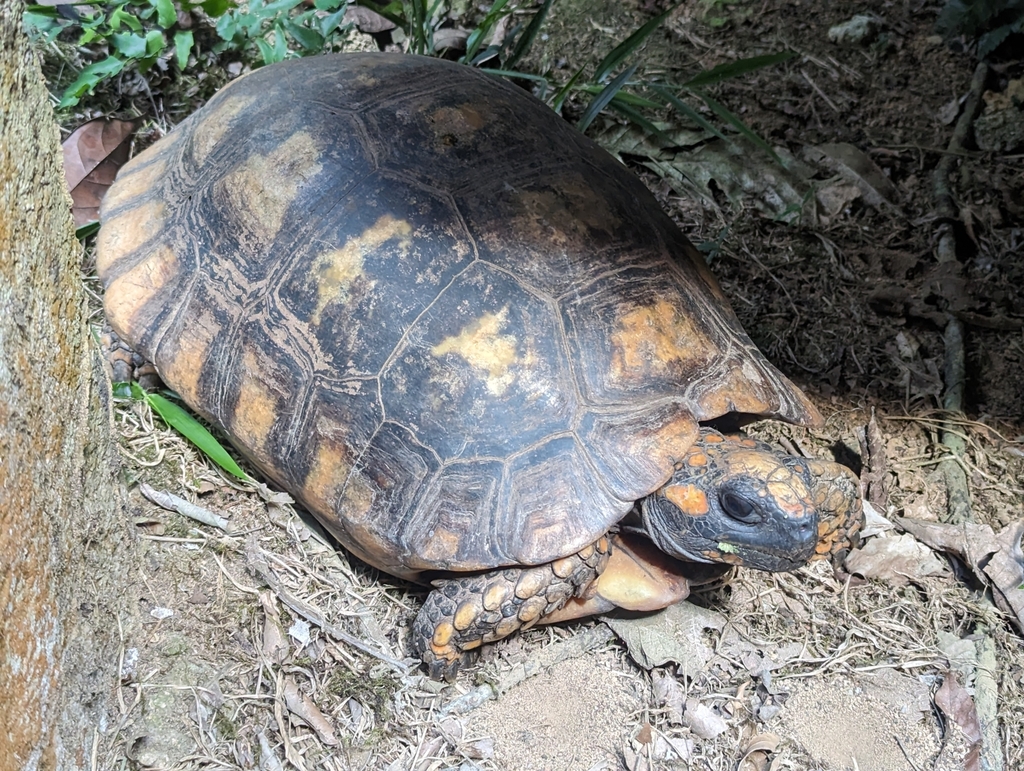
(525, 41)
(515, 75)
(601, 101)
(563, 92)
(688, 112)
(190, 428)
(737, 124)
(628, 111)
(628, 46)
(737, 68)
(87, 230)
(477, 37)
(624, 96)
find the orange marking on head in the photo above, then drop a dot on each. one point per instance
(689, 499)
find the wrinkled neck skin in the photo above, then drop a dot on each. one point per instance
(737, 501)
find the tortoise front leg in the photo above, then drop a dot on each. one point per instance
(463, 613)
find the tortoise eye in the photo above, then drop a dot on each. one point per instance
(739, 508)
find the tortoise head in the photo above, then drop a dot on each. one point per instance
(738, 501)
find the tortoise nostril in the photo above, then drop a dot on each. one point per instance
(739, 508)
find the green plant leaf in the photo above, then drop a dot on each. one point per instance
(266, 51)
(486, 26)
(309, 39)
(190, 428)
(119, 16)
(129, 45)
(166, 16)
(215, 9)
(275, 7)
(514, 75)
(600, 101)
(737, 124)
(688, 112)
(623, 96)
(330, 23)
(525, 41)
(155, 42)
(183, 41)
(735, 69)
(559, 98)
(86, 230)
(625, 109)
(628, 46)
(89, 77)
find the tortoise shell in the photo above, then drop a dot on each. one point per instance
(457, 330)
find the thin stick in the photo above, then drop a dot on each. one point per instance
(959, 504)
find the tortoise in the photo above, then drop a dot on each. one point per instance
(466, 338)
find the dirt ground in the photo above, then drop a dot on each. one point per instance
(241, 659)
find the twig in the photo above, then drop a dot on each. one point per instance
(959, 503)
(259, 564)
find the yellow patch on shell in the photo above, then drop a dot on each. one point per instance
(215, 123)
(661, 448)
(121, 236)
(129, 293)
(555, 214)
(737, 390)
(689, 499)
(334, 271)
(440, 547)
(481, 346)
(327, 474)
(452, 123)
(650, 339)
(256, 409)
(259, 190)
(132, 183)
(183, 370)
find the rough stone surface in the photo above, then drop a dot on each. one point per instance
(65, 544)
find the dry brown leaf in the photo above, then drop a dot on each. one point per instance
(669, 694)
(300, 705)
(755, 754)
(703, 720)
(367, 21)
(92, 156)
(898, 559)
(956, 704)
(275, 646)
(994, 558)
(1006, 569)
(854, 166)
